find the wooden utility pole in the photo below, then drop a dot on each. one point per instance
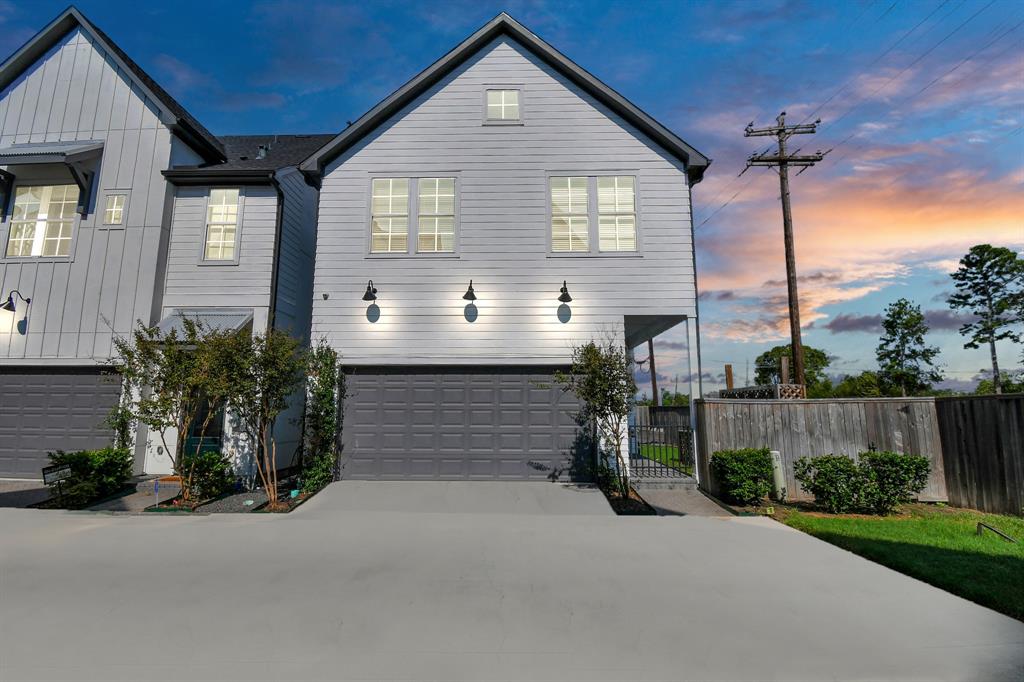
(728, 377)
(654, 371)
(783, 160)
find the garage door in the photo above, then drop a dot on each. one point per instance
(460, 424)
(47, 410)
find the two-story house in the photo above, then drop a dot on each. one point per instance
(118, 206)
(497, 209)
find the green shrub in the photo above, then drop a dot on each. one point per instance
(95, 474)
(891, 479)
(876, 484)
(208, 474)
(325, 386)
(835, 481)
(744, 476)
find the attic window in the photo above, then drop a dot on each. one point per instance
(503, 106)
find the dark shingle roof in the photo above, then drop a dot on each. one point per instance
(281, 150)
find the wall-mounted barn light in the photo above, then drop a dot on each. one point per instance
(9, 305)
(470, 295)
(470, 312)
(372, 310)
(371, 292)
(564, 296)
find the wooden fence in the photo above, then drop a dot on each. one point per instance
(799, 428)
(983, 447)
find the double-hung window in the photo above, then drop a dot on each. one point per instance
(570, 223)
(616, 213)
(389, 222)
(221, 225)
(42, 221)
(436, 226)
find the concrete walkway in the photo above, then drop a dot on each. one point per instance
(17, 493)
(681, 500)
(337, 592)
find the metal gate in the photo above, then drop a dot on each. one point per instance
(661, 443)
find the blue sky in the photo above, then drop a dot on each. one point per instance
(921, 102)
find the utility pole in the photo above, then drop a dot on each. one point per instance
(654, 372)
(783, 160)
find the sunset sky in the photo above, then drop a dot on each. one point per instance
(922, 104)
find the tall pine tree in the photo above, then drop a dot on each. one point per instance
(905, 361)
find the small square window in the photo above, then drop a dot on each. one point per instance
(113, 209)
(503, 105)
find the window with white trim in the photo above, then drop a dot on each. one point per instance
(435, 230)
(570, 224)
(389, 220)
(503, 105)
(42, 221)
(221, 225)
(113, 209)
(616, 213)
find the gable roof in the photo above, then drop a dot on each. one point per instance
(503, 24)
(251, 159)
(172, 113)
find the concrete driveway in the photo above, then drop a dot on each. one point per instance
(377, 591)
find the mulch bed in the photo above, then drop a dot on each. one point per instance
(235, 503)
(633, 505)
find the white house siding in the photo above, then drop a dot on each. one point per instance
(296, 255)
(504, 227)
(76, 92)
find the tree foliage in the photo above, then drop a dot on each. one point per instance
(668, 399)
(601, 376)
(769, 363)
(325, 391)
(863, 385)
(990, 285)
(905, 361)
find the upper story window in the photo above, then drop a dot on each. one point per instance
(42, 221)
(503, 105)
(113, 209)
(616, 213)
(389, 219)
(221, 225)
(436, 225)
(570, 223)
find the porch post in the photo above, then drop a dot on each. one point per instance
(696, 384)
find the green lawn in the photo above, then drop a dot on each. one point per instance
(668, 455)
(938, 545)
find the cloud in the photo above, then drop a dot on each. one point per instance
(854, 323)
(946, 320)
(185, 80)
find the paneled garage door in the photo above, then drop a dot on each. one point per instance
(492, 423)
(52, 409)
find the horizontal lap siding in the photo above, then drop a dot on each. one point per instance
(504, 227)
(76, 92)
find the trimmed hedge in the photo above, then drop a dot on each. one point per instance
(744, 476)
(95, 474)
(877, 483)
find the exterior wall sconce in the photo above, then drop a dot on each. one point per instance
(372, 310)
(564, 311)
(470, 312)
(10, 306)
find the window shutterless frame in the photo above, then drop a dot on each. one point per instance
(102, 212)
(519, 88)
(412, 242)
(593, 215)
(239, 219)
(8, 225)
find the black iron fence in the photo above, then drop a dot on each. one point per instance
(661, 451)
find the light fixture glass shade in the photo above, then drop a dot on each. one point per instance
(470, 295)
(371, 292)
(9, 304)
(564, 297)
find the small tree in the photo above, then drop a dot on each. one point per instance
(905, 361)
(166, 381)
(268, 371)
(768, 364)
(863, 385)
(990, 285)
(325, 391)
(601, 376)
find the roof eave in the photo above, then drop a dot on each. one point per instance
(215, 176)
(695, 162)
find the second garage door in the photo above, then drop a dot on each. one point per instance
(491, 423)
(43, 410)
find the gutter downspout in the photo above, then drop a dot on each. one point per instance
(278, 229)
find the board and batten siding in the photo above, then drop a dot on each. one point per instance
(503, 226)
(76, 92)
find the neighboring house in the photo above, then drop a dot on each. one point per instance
(500, 172)
(119, 206)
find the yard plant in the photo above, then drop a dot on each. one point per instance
(210, 474)
(95, 474)
(743, 476)
(877, 483)
(325, 391)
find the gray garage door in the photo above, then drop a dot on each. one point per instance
(489, 423)
(54, 409)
